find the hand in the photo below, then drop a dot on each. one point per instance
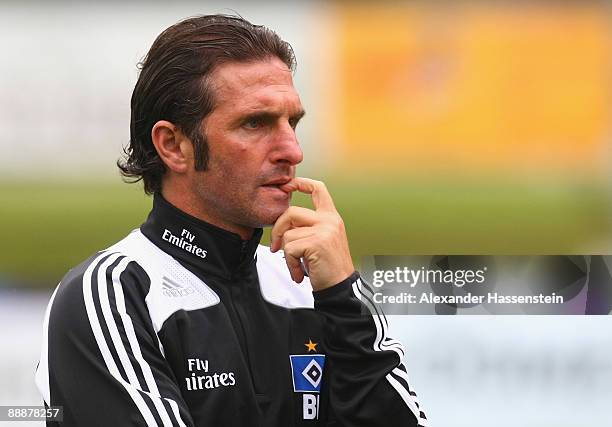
(318, 237)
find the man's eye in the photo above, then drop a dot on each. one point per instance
(252, 124)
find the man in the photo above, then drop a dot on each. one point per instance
(188, 321)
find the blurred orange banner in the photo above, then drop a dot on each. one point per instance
(478, 88)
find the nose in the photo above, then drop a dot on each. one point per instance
(287, 148)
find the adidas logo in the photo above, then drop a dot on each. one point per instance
(175, 290)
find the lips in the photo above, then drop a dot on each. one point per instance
(277, 182)
(275, 186)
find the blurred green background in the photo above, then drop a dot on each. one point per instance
(51, 227)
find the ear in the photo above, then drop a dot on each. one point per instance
(173, 147)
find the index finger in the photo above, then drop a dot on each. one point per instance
(321, 199)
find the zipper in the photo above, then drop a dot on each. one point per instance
(241, 317)
(243, 251)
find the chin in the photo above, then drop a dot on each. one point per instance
(269, 215)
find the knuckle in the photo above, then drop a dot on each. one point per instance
(340, 223)
(327, 233)
(335, 220)
(285, 239)
(290, 251)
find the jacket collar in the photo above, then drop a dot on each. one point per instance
(200, 246)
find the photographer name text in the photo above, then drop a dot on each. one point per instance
(469, 298)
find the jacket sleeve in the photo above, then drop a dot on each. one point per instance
(101, 358)
(368, 383)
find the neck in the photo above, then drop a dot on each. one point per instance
(190, 206)
(202, 247)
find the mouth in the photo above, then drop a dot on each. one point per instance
(274, 187)
(277, 183)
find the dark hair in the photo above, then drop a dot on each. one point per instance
(174, 85)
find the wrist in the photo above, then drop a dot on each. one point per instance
(336, 287)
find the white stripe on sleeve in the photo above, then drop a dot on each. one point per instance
(116, 338)
(103, 346)
(133, 340)
(42, 372)
(381, 338)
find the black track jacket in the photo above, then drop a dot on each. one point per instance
(182, 323)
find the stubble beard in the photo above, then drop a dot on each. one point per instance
(238, 208)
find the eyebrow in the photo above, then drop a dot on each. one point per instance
(270, 116)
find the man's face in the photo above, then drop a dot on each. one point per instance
(252, 144)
